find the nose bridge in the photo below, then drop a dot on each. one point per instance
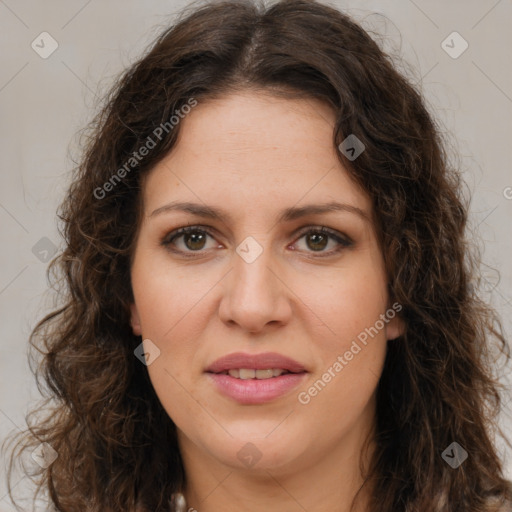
(254, 295)
(252, 272)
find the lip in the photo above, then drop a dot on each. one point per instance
(256, 361)
(255, 391)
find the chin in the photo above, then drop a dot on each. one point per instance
(259, 448)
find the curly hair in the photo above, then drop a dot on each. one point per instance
(116, 445)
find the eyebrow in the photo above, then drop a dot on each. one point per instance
(287, 215)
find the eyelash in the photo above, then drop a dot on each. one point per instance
(343, 241)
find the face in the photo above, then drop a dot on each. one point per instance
(262, 281)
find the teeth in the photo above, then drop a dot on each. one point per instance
(264, 374)
(249, 373)
(245, 373)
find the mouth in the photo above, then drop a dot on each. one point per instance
(252, 373)
(255, 379)
(250, 366)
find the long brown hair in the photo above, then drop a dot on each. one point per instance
(116, 445)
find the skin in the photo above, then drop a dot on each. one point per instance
(253, 155)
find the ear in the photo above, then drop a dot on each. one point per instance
(135, 320)
(395, 327)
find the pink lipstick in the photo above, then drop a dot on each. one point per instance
(252, 379)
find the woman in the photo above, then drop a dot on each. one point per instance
(269, 300)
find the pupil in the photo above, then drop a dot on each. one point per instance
(195, 238)
(317, 236)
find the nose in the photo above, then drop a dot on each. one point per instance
(255, 295)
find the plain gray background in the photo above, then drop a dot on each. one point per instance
(45, 101)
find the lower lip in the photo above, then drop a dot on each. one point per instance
(256, 391)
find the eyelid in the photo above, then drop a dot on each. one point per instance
(167, 240)
(342, 238)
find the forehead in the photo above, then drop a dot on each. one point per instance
(254, 149)
(240, 126)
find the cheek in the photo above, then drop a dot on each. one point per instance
(172, 308)
(352, 363)
(350, 340)
(343, 303)
(168, 299)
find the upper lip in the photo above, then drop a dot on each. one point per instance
(255, 361)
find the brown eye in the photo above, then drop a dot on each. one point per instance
(317, 241)
(194, 241)
(188, 239)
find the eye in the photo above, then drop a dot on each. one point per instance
(317, 239)
(193, 239)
